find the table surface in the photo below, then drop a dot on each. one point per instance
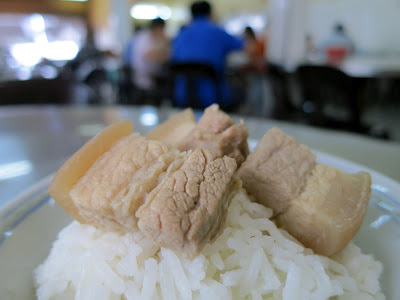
(371, 66)
(36, 140)
(365, 66)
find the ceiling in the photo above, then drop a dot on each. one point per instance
(44, 6)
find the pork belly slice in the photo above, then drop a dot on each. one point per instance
(218, 132)
(330, 210)
(175, 129)
(81, 161)
(110, 192)
(277, 170)
(319, 205)
(188, 208)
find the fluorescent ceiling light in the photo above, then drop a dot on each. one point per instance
(150, 12)
(164, 12)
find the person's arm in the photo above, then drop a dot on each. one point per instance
(232, 43)
(160, 52)
(250, 48)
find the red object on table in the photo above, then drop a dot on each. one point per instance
(336, 55)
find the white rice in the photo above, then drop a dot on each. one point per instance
(252, 259)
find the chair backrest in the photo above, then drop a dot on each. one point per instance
(191, 71)
(278, 78)
(324, 86)
(194, 69)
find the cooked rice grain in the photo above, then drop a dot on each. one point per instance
(251, 259)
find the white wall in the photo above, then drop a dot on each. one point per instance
(287, 29)
(374, 25)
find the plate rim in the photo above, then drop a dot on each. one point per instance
(25, 203)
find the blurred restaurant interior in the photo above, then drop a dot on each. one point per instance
(299, 69)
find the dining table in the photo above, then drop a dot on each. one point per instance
(36, 140)
(372, 66)
(367, 66)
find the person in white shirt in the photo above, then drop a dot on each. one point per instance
(150, 50)
(338, 43)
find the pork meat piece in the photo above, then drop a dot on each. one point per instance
(218, 132)
(277, 170)
(188, 208)
(330, 210)
(111, 191)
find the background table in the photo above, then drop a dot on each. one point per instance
(372, 66)
(361, 66)
(36, 140)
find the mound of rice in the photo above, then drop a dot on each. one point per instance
(252, 259)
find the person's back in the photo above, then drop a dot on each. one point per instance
(204, 42)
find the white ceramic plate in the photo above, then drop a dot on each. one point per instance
(30, 223)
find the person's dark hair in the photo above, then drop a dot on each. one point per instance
(248, 31)
(200, 9)
(157, 23)
(137, 28)
(339, 28)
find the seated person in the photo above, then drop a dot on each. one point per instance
(150, 51)
(204, 42)
(255, 50)
(338, 45)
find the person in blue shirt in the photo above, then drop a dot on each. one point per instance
(202, 41)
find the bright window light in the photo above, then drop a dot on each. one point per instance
(150, 12)
(61, 50)
(30, 54)
(41, 38)
(27, 54)
(36, 23)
